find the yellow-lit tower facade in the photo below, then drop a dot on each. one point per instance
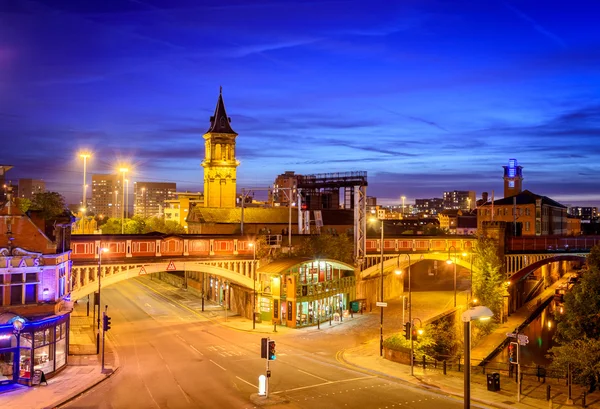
(220, 165)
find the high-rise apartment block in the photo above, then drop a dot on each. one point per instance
(429, 206)
(151, 197)
(29, 187)
(106, 195)
(459, 199)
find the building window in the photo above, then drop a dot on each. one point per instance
(527, 226)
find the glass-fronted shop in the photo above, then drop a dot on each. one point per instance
(301, 292)
(32, 345)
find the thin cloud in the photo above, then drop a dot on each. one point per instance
(537, 26)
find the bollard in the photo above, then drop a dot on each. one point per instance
(547, 392)
(424, 362)
(583, 404)
(330, 317)
(274, 326)
(444, 367)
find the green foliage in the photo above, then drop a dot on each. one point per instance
(421, 347)
(23, 204)
(111, 226)
(593, 259)
(139, 225)
(581, 317)
(49, 204)
(488, 280)
(336, 247)
(434, 230)
(584, 356)
(446, 340)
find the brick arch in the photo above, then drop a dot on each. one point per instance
(390, 264)
(117, 273)
(526, 271)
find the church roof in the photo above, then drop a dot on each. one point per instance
(220, 122)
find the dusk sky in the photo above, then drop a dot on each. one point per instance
(426, 96)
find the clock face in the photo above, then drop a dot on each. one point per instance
(511, 183)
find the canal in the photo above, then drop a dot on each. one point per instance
(540, 332)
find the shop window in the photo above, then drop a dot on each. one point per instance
(30, 294)
(25, 364)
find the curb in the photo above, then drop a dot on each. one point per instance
(63, 401)
(422, 385)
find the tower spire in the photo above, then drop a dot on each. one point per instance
(220, 122)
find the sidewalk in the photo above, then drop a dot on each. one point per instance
(82, 373)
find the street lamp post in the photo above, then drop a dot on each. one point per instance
(85, 156)
(100, 251)
(477, 313)
(18, 325)
(381, 307)
(453, 262)
(412, 341)
(123, 170)
(471, 275)
(126, 197)
(253, 245)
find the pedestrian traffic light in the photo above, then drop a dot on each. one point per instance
(272, 355)
(264, 348)
(105, 322)
(407, 330)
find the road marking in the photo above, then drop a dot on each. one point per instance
(217, 364)
(147, 305)
(325, 383)
(184, 394)
(318, 377)
(194, 348)
(246, 382)
(180, 337)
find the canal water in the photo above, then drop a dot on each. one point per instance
(540, 332)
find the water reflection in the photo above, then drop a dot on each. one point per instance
(540, 332)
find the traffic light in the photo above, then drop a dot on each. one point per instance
(264, 347)
(272, 355)
(407, 330)
(105, 322)
(415, 333)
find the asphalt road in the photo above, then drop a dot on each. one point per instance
(172, 357)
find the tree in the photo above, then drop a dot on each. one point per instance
(336, 247)
(23, 204)
(581, 317)
(49, 204)
(488, 279)
(578, 330)
(112, 226)
(584, 357)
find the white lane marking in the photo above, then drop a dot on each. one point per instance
(152, 397)
(147, 305)
(172, 305)
(325, 383)
(194, 348)
(217, 364)
(184, 394)
(318, 377)
(180, 337)
(246, 382)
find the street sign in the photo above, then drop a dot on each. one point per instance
(171, 266)
(381, 304)
(142, 271)
(523, 339)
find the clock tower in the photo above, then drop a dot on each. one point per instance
(220, 165)
(513, 178)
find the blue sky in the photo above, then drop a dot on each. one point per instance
(425, 96)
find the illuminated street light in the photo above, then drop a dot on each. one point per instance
(412, 341)
(254, 283)
(100, 251)
(123, 170)
(381, 298)
(477, 313)
(453, 262)
(85, 156)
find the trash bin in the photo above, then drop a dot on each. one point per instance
(257, 317)
(493, 382)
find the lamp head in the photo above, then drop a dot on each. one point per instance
(480, 312)
(398, 272)
(448, 261)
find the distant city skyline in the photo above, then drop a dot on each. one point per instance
(425, 96)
